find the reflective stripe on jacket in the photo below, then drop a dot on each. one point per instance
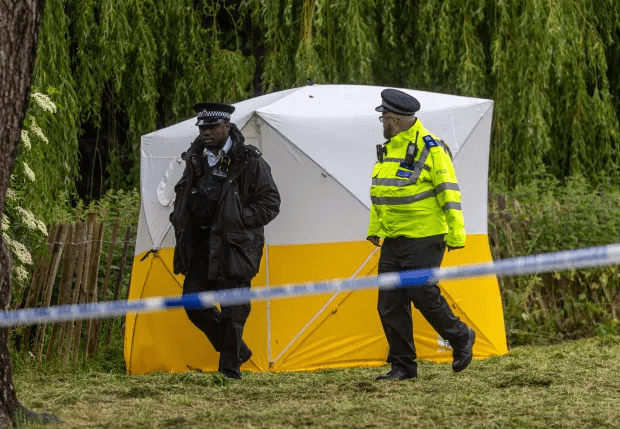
(416, 200)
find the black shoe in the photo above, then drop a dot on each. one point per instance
(244, 356)
(394, 375)
(462, 355)
(230, 374)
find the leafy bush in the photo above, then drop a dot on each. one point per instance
(124, 205)
(548, 216)
(22, 229)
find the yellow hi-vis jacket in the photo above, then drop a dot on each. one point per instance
(416, 200)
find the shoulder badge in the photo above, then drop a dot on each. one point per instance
(430, 142)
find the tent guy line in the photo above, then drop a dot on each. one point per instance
(547, 262)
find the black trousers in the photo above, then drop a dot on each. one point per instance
(224, 328)
(394, 306)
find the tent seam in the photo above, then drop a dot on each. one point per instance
(322, 309)
(466, 140)
(311, 159)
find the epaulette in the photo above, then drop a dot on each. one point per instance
(253, 150)
(430, 142)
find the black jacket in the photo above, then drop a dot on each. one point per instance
(249, 201)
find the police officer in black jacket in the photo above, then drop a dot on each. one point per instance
(224, 199)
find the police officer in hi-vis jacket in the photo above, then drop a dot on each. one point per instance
(416, 210)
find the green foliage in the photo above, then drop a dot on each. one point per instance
(549, 216)
(58, 161)
(553, 102)
(330, 41)
(124, 205)
(560, 216)
(449, 41)
(125, 68)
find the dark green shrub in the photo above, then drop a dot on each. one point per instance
(547, 216)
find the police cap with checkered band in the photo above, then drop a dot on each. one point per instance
(213, 113)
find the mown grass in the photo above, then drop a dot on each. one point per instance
(574, 384)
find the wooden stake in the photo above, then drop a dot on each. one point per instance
(35, 288)
(80, 244)
(48, 288)
(104, 292)
(94, 287)
(64, 293)
(119, 280)
(88, 245)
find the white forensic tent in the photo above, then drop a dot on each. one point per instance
(320, 143)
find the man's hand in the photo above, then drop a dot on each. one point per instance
(374, 240)
(455, 248)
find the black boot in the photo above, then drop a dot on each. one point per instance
(462, 355)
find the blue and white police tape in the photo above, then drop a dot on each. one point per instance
(580, 258)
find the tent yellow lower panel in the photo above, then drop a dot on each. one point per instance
(310, 332)
(168, 341)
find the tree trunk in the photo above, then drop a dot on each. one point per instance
(19, 25)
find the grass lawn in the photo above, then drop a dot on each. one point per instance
(575, 384)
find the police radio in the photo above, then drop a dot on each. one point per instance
(412, 150)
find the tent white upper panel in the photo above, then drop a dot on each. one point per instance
(341, 101)
(162, 167)
(472, 171)
(315, 208)
(337, 126)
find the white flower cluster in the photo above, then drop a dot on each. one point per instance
(29, 172)
(26, 140)
(31, 221)
(19, 250)
(35, 129)
(6, 224)
(21, 272)
(10, 194)
(44, 102)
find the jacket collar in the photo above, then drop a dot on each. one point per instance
(238, 142)
(404, 137)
